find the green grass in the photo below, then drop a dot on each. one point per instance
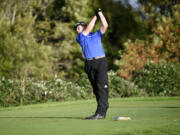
(150, 116)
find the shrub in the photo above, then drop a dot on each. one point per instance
(29, 91)
(159, 79)
(8, 92)
(118, 87)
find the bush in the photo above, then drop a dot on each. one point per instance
(159, 79)
(118, 87)
(29, 91)
(8, 92)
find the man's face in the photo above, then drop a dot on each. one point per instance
(79, 29)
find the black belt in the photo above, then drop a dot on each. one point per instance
(95, 58)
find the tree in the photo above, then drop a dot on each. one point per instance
(124, 24)
(20, 54)
(161, 44)
(56, 30)
(38, 34)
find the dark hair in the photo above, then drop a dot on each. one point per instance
(80, 23)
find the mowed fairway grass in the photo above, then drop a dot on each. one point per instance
(150, 116)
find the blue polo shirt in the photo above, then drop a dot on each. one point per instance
(91, 44)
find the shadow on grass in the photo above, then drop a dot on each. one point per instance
(171, 107)
(75, 118)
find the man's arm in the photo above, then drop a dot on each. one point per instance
(90, 26)
(104, 22)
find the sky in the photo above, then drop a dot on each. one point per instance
(133, 3)
(135, 6)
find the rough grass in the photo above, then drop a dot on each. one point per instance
(150, 116)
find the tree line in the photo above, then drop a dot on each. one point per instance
(37, 38)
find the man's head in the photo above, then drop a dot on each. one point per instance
(80, 26)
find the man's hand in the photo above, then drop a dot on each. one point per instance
(93, 21)
(97, 12)
(103, 21)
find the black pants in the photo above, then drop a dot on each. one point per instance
(97, 74)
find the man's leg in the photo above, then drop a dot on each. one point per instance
(91, 72)
(102, 86)
(91, 77)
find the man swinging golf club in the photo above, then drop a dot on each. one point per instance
(95, 61)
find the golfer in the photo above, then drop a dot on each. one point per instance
(95, 61)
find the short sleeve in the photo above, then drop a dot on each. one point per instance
(99, 33)
(80, 38)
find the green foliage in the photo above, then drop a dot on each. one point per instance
(118, 87)
(28, 91)
(55, 29)
(7, 88)
(37, 38)
(123, 23)
(162, 45)
(37, 42)
(16, 92)
(159, 79)
(20, 54)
